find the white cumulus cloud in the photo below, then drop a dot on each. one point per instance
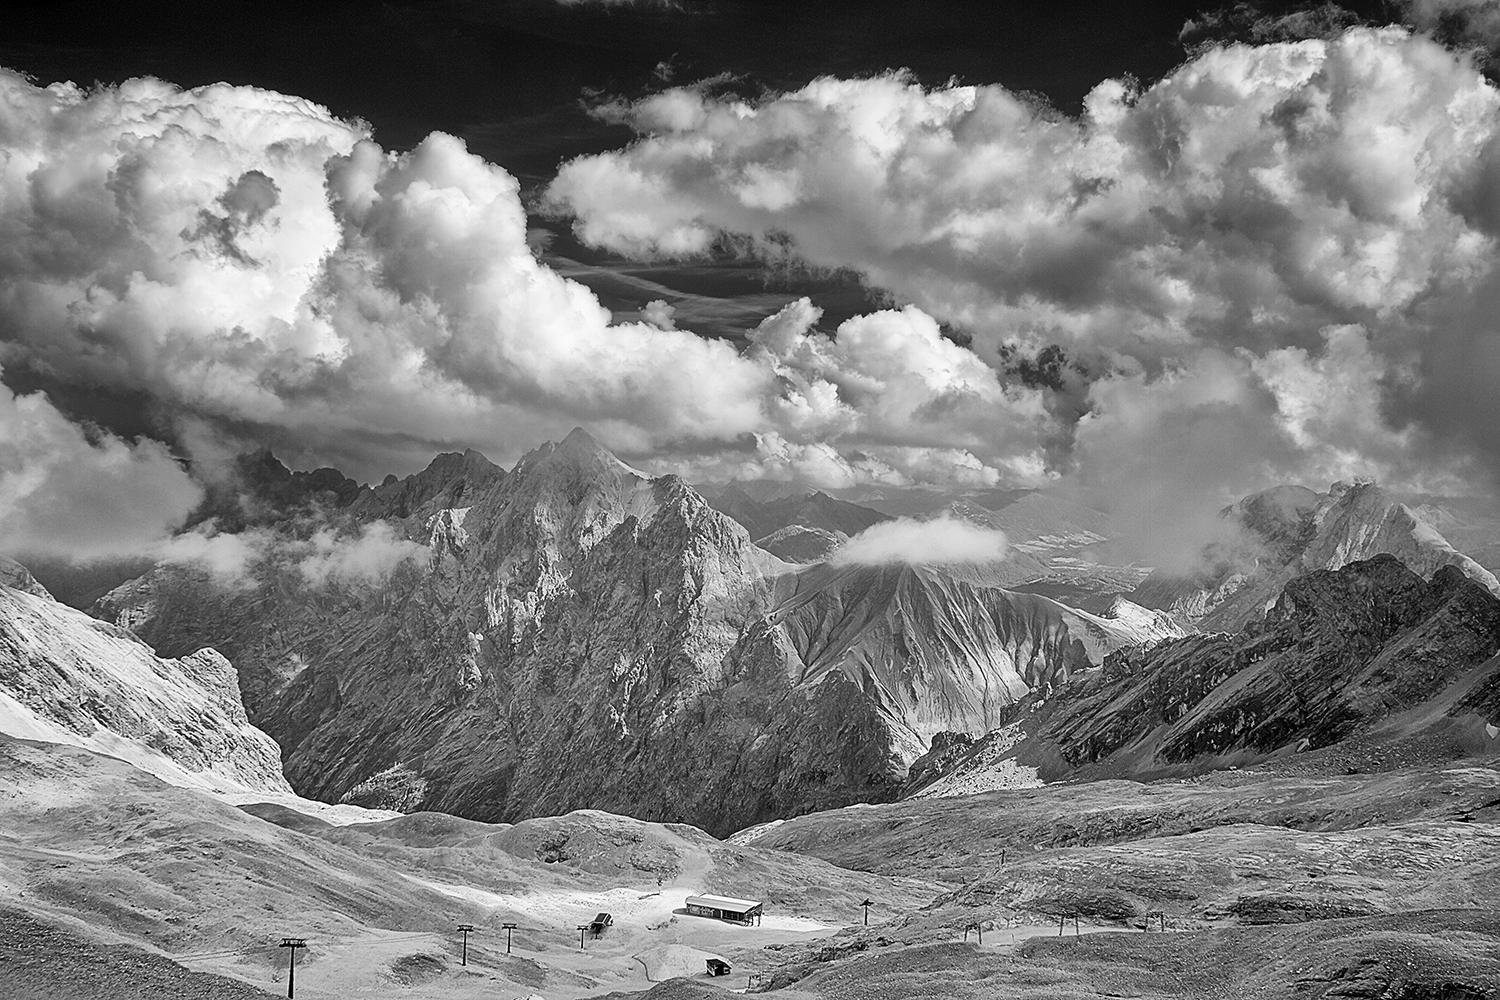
(942, 540)
(67, 491)
(251, 262)
(1209, 228)
(1278, 262)
(227, 557)
(369, 557)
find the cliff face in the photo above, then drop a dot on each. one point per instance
(1338, 653)
(576, 634)
(938, 649)
(68, 678)
(1289, 531)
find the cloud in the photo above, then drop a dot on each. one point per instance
(1459, 22)
(1243, 22)
(229, 558)
(1278, 261)
(262, 271)
(70, 492)
(244, 257)
(1166, 453)
(660, 314)
(324, 557)
(368, 558)
(1252, 190)
(905, 540)
(1221, 219)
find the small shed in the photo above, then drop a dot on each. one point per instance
(600, 921)
(737, 911)
(718, 967)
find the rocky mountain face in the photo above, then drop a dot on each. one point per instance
(1283, 533)
(941, 649)
(798, 543)
(1471, 524)
(565, 616)
(69, 678)
(576, 634)
(1340, 653)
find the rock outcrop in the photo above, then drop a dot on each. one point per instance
(69, 678)
(797, 543)
(1288, 531)
(17, 577)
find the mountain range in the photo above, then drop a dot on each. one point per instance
(1370, 651)
(573, 633)
(470, 647)
(1282, 533)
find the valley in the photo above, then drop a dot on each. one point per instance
(1365, 885)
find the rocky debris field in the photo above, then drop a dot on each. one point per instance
(42, 961)
(1430, 955)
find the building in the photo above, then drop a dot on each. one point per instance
(718, 967)
(739, 911)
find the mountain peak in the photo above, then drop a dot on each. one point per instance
(579, 439)
(452, 463)
(578, 452)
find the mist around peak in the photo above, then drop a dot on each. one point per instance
(943, 540)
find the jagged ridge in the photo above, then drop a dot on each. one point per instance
(69, 678)
(1341, 652)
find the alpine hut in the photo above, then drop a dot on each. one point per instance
(738, 911)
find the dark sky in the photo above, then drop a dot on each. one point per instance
(508, 75)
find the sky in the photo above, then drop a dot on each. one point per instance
(1169, 253)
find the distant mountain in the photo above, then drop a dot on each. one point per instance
(69, 678)
(1471, 524)
(1286, 532)
(915, 501)
(798, 543)
(1370, 648)
(577, 634)
(937, 649)
(1060, 548)
(819, 515)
